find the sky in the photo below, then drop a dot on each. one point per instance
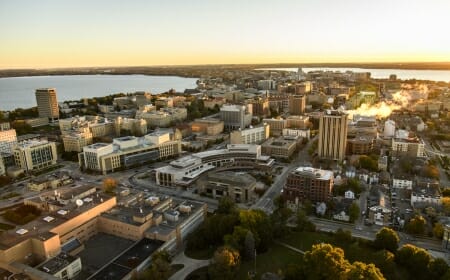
(77, 33)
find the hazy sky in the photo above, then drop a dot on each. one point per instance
(60, 33)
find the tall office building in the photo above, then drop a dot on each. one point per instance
(35, 154)
(235, 117)
(332, 135)
(297, 104)
(47, 103)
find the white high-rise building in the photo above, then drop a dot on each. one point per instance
(389, 129)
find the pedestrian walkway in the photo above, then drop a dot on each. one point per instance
(290, 247)
(189, 266)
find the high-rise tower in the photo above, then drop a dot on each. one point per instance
(47, 103)
(332, 135)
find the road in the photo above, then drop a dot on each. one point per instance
(265, 203)
(369, 232)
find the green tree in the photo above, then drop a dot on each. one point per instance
(353, 212)
(226, 206)
(259, 224)
(303, 223)
(160, 267)
(249, 246)
(368, 163)
(343, 237)
(416, 225)
(360, 270)
(437, 267)
(224, 264)
(325, 262)
(387, 238)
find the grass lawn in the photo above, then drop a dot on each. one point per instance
(4, 226)
(275, 259)
(174, 268)
(305, 240)
(204, 254)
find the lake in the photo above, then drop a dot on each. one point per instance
(403, 74)
(18, 92)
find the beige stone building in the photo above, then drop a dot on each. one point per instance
(207, 126)
(281, 147)
(47, 103)
(297, 104)
(333, 135)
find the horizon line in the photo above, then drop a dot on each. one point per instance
(405, 63)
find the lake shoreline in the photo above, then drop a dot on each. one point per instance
(194, 71)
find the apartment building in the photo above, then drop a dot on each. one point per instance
(307, 183)
(252, 135)
(333, 135)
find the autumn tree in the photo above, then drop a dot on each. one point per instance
(416, 225)
(386, 238)
(109, 185)
(325, 262)
(360, 270)
(224, 264)
(415, 259)
(438, 230)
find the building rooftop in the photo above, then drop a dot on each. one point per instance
(56, 264)
(236, 178)
(314, 172)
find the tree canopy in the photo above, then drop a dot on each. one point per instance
(388, 239)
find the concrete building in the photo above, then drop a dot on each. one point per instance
(8, 138)
(252, 135)
(307, 183)
(389, 129)
(37, 122)
(165, 117)
(402, 182)
(35, 154)
(332, 135)
(361, 145)
(127, 126)
(128, 151)
(281, 147)
(184, 171)
(300, 122)
(47, 103)
(266, 84)
(260, 106)
(62, 266)
(406, 145)
(304, 133)
(297, 104)
(207, 126)
(2, 167)
(422, 197)
(75, 141)
(235, 116)
(276, 126)
(238, 186)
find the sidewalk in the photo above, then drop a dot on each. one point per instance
(189, 266)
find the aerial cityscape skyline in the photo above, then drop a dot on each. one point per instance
(111, 33)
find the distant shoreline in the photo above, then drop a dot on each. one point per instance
(193, 71)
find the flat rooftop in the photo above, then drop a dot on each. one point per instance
(314, 172)
(56, 264)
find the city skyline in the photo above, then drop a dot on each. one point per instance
(48, 34)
